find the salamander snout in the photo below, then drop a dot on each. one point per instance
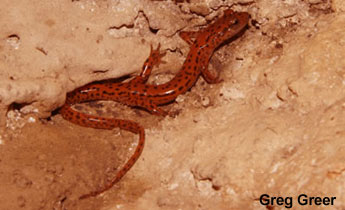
(242, 17)
(229, 25)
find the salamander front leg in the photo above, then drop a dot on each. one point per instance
(189, 36)
(154, 59)
(209, 77)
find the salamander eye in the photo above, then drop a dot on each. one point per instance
(235, 22)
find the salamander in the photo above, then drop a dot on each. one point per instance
(137, 93)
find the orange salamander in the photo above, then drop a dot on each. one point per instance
(137, 93)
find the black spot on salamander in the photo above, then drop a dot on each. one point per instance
(187, 83)
(180, 88)
(155, 87)
(208, 38)
(121, 93)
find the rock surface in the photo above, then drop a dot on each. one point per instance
(275, 126)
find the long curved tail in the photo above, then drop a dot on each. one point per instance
(107, 123)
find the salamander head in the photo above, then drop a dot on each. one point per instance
(228, 25)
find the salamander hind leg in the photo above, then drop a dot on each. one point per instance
(150, 106)
(154, 109)
(154, 59)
